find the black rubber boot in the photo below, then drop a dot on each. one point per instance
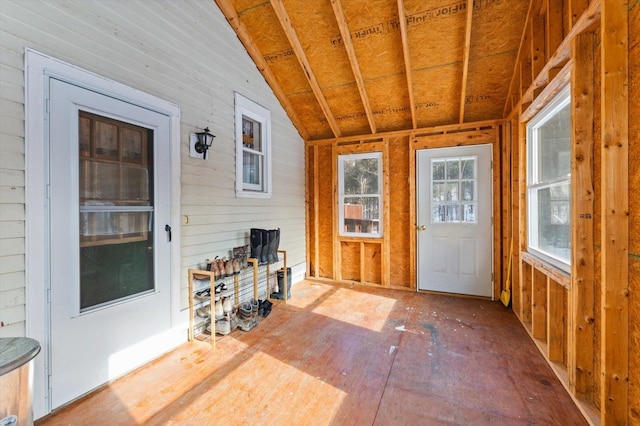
(280, 293)
(264, 250)
(272, 253)
(256, 243)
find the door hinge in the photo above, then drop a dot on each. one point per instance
(46, 105)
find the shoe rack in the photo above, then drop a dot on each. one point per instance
(237, 286)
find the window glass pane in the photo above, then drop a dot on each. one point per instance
(132, 145)
(549, 182)
(110, 272)
(438, 213)
(554, 145)
(362, 214)
(361, 176)
(106, 140)
(554, 229)
(252, 168)
(137, 184)
(106, 185)
(251, 134)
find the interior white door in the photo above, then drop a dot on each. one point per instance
(454, 211)
(109, 203)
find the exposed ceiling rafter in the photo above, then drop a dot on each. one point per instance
(290, 32)
(407, 61)
(353, 60)
(465, 61)
(228, 9)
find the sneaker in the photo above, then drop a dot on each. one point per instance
(204, 312)
(223, 326)
(226, 305)
(219, 311)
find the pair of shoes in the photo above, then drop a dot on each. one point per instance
(265, 308)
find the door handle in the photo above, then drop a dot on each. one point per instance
(167, 228)
(421, 228)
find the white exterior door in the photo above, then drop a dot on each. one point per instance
(109, 195)
(454, 200)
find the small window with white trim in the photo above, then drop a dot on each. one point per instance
(360, 194)
(253, 149)
(549, 182)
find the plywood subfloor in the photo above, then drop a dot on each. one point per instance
(346, 355)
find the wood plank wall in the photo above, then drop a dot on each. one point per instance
(586, 323)
(391, 261)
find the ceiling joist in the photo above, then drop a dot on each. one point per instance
(228, 9)
(407, 61)
(465, 61)
(290, 32)
(351, 53)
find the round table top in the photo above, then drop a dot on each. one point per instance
(15, 352)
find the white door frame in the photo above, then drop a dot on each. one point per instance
(38, 69)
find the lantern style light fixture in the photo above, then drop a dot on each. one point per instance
(205, 140)
(200, 143)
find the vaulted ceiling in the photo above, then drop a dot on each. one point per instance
(360, 67)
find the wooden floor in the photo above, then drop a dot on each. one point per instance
(346, 356)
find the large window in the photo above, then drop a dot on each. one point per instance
(549, 182)
(360, 194)
(253, 149)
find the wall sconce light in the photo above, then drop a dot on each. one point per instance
(199, 143)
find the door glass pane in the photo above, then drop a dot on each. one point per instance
(454, 190)
(116, 211)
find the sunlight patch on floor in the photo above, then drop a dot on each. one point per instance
(276, 404)
(372, 312)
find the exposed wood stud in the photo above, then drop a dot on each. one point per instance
(229, 11)
(555, 321)
(316, 211)
(582, 293)
(353, 60)
(465, 60)
(539, 305)
(614, 47)
(386, 238)
(553, 27)
(407, 60)
(290, 32)
(559, 58)
(538, 58)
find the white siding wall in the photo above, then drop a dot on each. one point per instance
(184, 52)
